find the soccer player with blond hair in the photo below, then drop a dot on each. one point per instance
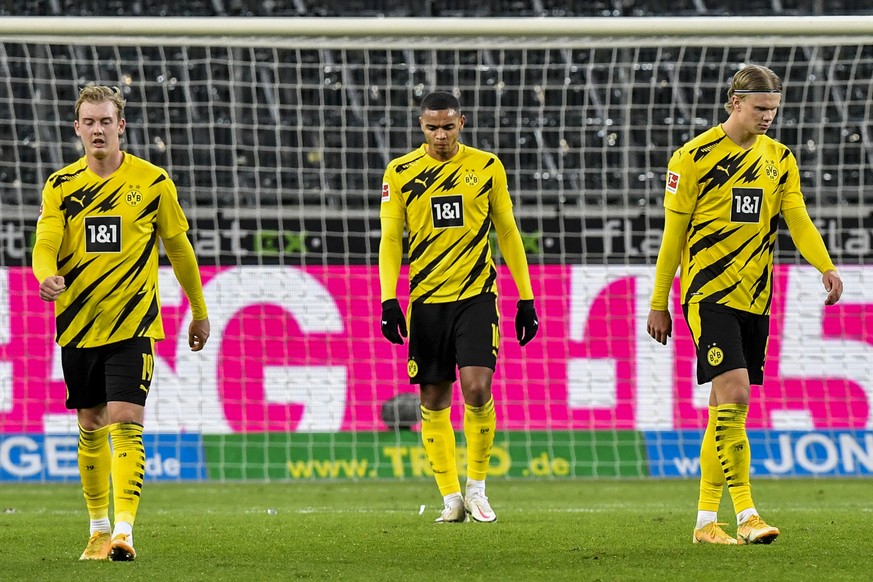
(725, 191)
(96, 258)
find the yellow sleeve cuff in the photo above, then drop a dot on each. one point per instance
(44, 260)
(669, 257)
(181, 255)
(390, 255)
(509, 241)
(807, 239)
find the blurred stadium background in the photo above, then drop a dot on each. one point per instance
(278, 143)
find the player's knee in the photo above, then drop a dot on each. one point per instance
(732, 387)
(477, 393)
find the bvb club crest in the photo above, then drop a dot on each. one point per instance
(412, 368)
(470, 178)
(714, 356)
(771, 171)
(133, 198)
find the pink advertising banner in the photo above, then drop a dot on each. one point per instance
(299, 349)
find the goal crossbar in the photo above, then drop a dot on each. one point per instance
(445, 31)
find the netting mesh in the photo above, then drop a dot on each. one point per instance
(278, 149)
(578, 127)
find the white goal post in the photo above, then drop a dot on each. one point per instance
(277, 131)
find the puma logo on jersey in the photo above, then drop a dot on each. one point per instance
(81, 201)
(419, 181)
(723, 169)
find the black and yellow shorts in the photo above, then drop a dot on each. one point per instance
(727, 339)
(120, 371)
(443, 336)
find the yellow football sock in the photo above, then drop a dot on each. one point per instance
(480, 423)
(734, 452)
(128, 469)
(439, 444)
(95, 461)
(711, 473)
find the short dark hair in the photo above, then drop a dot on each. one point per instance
(440, 100)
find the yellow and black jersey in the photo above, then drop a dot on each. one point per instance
(108, 254)
(447, 207)
(734, 197)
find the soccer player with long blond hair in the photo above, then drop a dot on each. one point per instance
(725, 192)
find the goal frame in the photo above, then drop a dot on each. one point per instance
(570, 280)
(345, 32)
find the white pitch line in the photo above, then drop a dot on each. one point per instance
(630, 508)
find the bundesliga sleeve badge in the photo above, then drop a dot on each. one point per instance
(672, 182)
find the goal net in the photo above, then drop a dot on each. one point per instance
(277, 133)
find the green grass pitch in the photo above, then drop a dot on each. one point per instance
(547, 530)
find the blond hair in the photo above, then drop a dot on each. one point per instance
(752, 79)
(99, 94)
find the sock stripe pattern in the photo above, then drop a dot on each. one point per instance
(128, 469)
(95, 460)
(734, 452)
(712, 477)
(731, 442)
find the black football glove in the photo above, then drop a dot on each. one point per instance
(526, 322)
(393, 322)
